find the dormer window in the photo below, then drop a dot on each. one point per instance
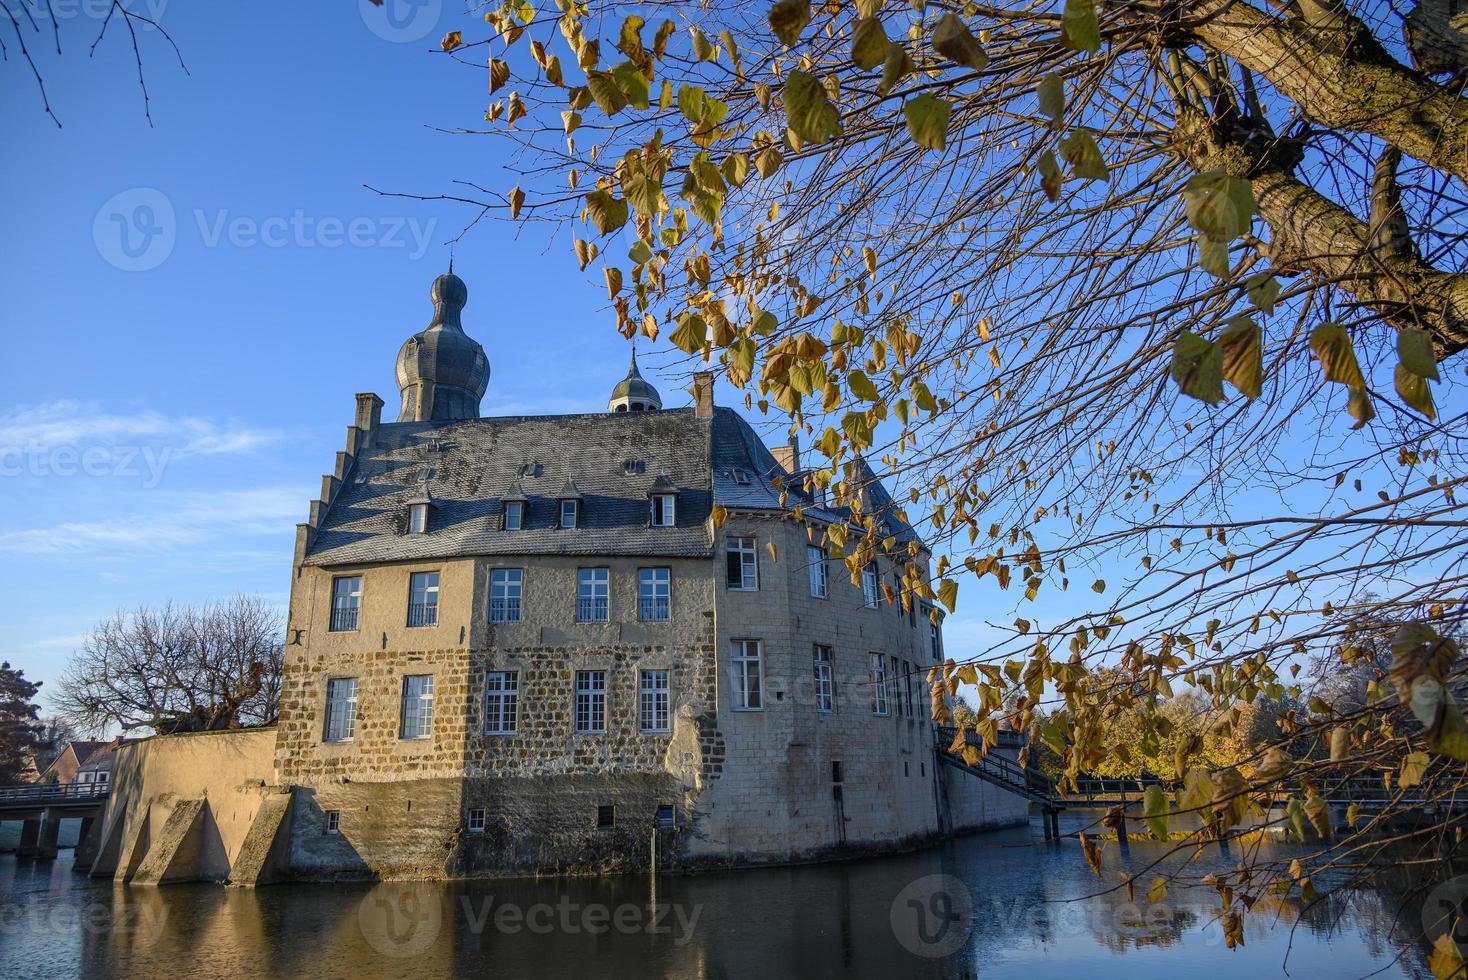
(570, 501)
(663, 510)
(418, 519)
(514, 515)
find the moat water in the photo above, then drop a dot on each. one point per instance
(1004, 904)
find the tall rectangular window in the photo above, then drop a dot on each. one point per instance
(653, 594)
(504, 594)
(663, 510)
(871, 590)
(653, 692)
(423, 599)
(895, 683)
(417, 714)
(591, 594)
(418, 519)
(514, 515)
(568, 513)
(591, 701)
(501, 701)
(745, 662)
(743, 563)
(341, 709)
(346, 602)
(825, 678)
(935, 639)
(815, 557)
(907, 682)
(879, 685)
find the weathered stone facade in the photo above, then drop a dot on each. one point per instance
(743, 755)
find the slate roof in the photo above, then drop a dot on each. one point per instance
(470, 467)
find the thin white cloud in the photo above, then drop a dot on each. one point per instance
(175, 521)
(75, 423)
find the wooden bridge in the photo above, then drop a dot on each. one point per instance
(40, 808)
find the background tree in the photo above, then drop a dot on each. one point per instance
(20, 728)
(177, 669)
(1014, 254)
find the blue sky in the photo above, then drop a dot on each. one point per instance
(190, 306)
(164, 427)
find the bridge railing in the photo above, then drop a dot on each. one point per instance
(52, 792)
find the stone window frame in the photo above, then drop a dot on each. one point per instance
(356, 617)
(878, 678)
(606, 597)
(668, 582)
(669, 501)
(871, 586)
(739, 661)
(935, 636)
(592, 693)
(825, 679)
(508, 694)
(907, 678)
(894, 685)
(748, 562)
(519, 595)
(350, 706)
(422, 715)
(433, 590)
(643, 693)
(476, 821)
(817, 574)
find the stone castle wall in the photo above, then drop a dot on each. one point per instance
(779, 797)
(403, 804)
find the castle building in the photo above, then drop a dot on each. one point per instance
(527, 644)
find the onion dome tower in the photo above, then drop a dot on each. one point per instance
(442, 371)
(633, 393)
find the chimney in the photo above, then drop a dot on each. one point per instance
(369, 411)
(788, 456)
(703, 394)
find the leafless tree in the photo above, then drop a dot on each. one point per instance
(177, 669)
